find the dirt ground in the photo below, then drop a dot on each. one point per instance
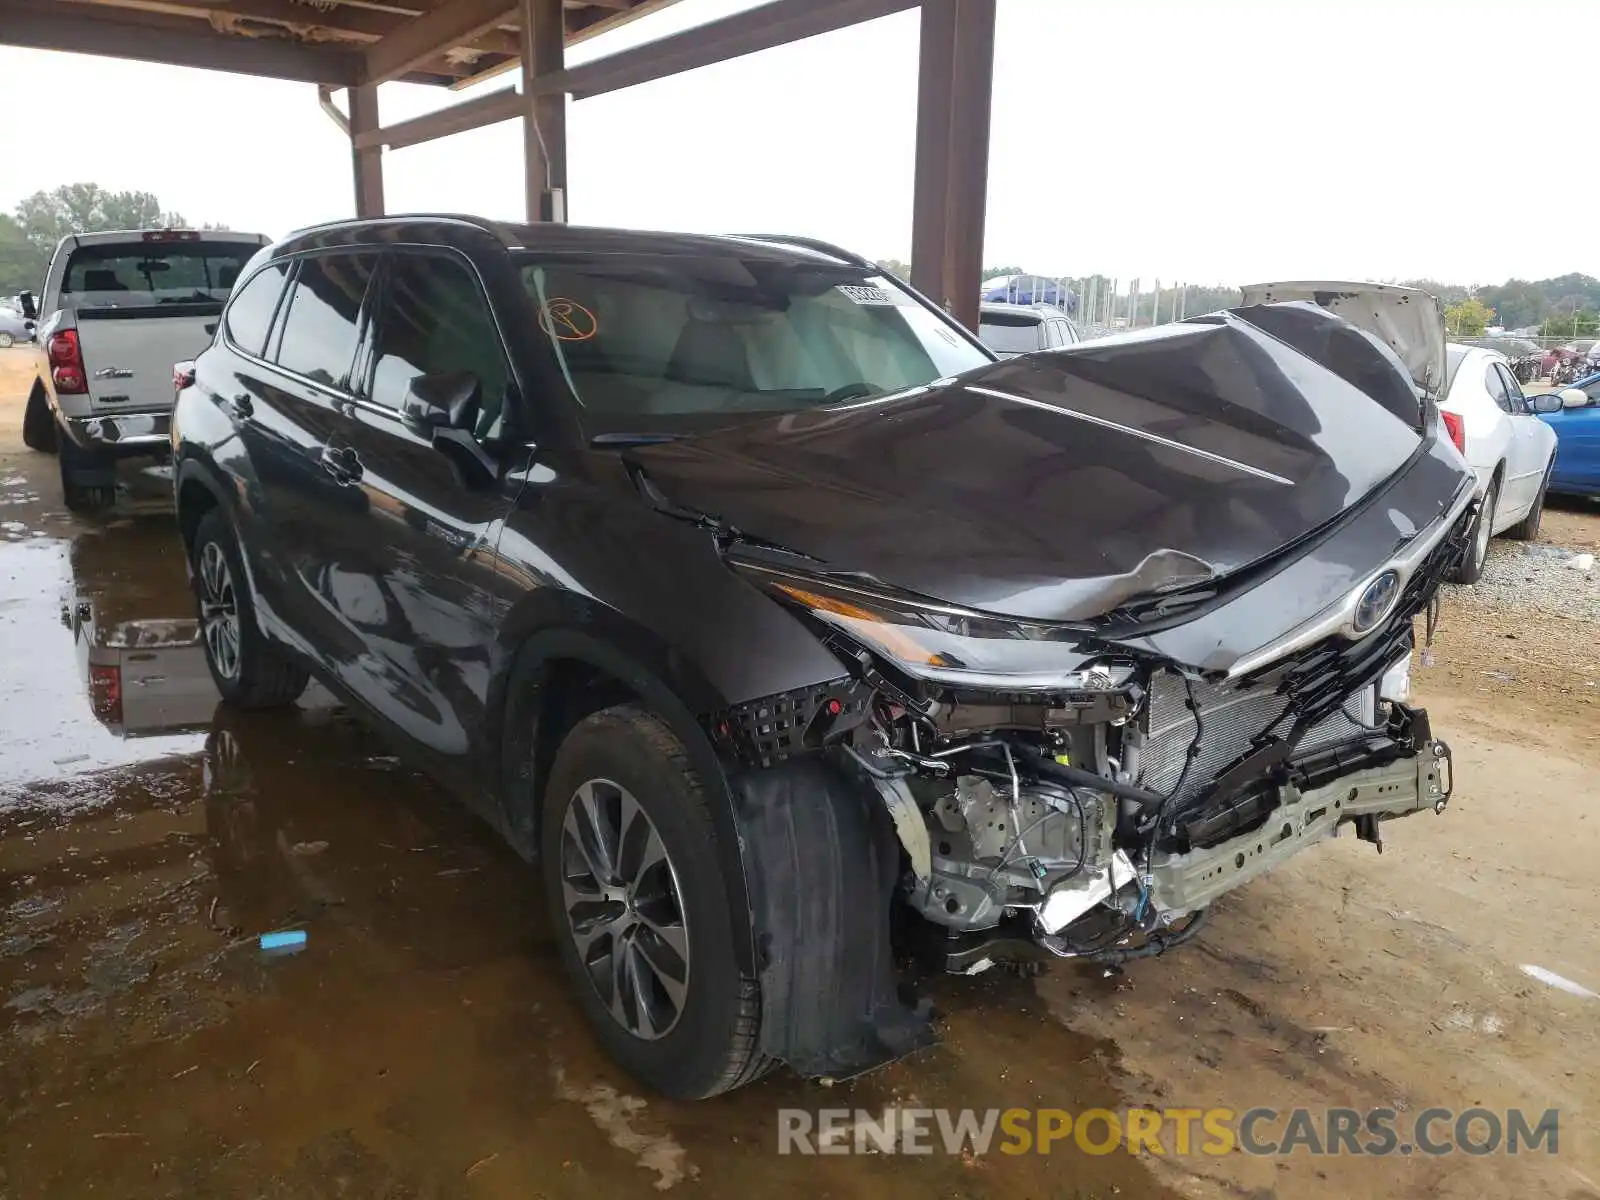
(424, 1045)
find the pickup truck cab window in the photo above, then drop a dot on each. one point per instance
(160, 273)
(320, 329)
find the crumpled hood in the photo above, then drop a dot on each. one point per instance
(1056, 486)
(1407, 320)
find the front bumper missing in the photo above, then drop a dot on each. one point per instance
(1181, 883)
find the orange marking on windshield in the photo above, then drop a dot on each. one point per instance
(567, 320)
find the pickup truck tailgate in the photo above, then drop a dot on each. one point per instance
(129, 358)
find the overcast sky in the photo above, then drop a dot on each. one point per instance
(1204, 142)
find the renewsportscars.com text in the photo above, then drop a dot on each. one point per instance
(1176, 1131)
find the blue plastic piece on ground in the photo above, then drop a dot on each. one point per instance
(288, 939)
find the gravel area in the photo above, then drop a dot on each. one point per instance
(1533, 575)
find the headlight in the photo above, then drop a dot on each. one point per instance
(945, 643)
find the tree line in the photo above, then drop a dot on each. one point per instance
(29, 234)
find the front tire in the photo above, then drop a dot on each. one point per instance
(249, 670)
(636, 893)
(1471, 568)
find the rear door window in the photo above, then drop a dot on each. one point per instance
(251, 310)
(320, 330)
(156, 274)
(1514, 395)
(435, 318)
(1497, 387)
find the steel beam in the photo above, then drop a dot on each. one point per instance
(954, 84)
(367, 161)
(971, 89)
(422, 38)
(776, 23)
(502, 105)
(544, 115)
(163, 38)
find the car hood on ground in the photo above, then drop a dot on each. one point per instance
(1407, 320)
(1056, 486)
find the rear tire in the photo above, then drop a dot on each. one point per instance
(38, 426)
(1527, 529)
(249, 670)
(1471, 568)
(88, 480)
(702, 1032)
(6, 340)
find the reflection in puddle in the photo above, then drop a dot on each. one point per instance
(104, 664)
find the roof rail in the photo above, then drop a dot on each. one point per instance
(807, 243)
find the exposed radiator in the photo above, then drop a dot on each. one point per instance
(1232, 717)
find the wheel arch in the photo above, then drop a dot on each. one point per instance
(558, 672)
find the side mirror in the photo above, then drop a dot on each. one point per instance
(1547, 402)
(443, 408)
(1574, 398)
(30, 308)
(445, 400)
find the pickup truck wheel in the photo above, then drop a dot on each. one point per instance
(38, 427)
(636, 893)
(249, 670)
(6, 340)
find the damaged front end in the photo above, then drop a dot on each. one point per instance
(1073, 755)
(1095, 804)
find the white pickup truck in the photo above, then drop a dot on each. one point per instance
(117, 311)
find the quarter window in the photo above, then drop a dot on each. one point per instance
(319, 334)
(250, 311)
(436, 319)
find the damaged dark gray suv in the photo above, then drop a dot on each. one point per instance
(795, 636)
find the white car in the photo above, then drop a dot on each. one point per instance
(1480, 401)
(1494, 425)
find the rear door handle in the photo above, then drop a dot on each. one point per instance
(242, 405)
(341, 462)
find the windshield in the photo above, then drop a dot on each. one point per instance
(1452, 362)
(643, 339)
(1006, 334)
(133, 275)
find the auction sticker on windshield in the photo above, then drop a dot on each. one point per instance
(567, 320)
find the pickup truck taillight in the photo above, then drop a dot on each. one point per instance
(1456, 428)
(105, 693)
(66, 363)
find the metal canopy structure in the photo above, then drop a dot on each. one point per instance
(357, 45)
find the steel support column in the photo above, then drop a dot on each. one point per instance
(544, 121)
(367, 161)
(954, 83)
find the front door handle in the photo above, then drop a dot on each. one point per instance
(341, 462)
(242, 405)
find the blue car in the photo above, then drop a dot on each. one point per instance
(1577, 468)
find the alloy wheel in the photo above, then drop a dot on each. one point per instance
(219, 611)
(624, 908)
